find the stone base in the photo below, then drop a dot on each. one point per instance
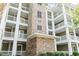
(39, 43)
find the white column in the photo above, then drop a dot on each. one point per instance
(53, 25)
(46, 21)
(67, 30)
(77, 44)
(70, 48)
(16, 32)
(54, 31)
(2, 25)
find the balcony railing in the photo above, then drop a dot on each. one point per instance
(64, 38)
(78, 38)
(50, 27)
(72, 37)
(6, 53)
(25, 8)
(59, 25)
(14, 5)
(57, 14)
(23, 36)
(20, 53)
(12, 18)
(22, 20)
(9, 53)
(61, 38)
(9, 34)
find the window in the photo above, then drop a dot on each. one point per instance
(49, 14)
(39, 27)
(50, 24)
(50, 33)
(39, 14)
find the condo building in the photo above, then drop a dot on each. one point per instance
(33, 28)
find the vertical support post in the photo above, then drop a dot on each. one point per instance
(16, 32)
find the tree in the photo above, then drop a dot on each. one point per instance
(74, 13)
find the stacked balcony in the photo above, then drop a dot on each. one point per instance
(25, 6)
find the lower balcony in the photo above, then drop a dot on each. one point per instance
(22, 36)
(62, 39)
(9, 53)
(8, 35)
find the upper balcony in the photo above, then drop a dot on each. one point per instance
(24, 18)
(25, 7)
(14, 5)
(12, 15)
(22, 35)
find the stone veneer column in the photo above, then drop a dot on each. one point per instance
(39, 43)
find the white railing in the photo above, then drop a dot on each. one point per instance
(59, 25)
(14, 5)
(8, 34)
(77, 38)
(57, 14)
(23, 36)
(72, 37)
(61, 38)
(50, 27)
(22, 20)
(12, 18)
(20, 53)
(9, 53)
(25, 8)
(6, 53)
(69, 23)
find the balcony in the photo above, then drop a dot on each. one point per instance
(11, 18)
(14, 5)
(9, 53)
(6, 53)
(78, 38)
(9, 34)
(25, 8)
(50, 27)
(24, 21)
(59, 25)
(20, 53)
(57, 14)
(60, 39)
(23, 36)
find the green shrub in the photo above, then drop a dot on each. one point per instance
(54, 54)
(75, 53)
(49, 53)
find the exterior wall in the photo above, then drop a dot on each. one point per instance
(33, 19)
(45, 45)
(31, 47)
(39, 44)
(63, 47)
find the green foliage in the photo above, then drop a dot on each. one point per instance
(75, 53)
(54, 54)
(75, 15)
